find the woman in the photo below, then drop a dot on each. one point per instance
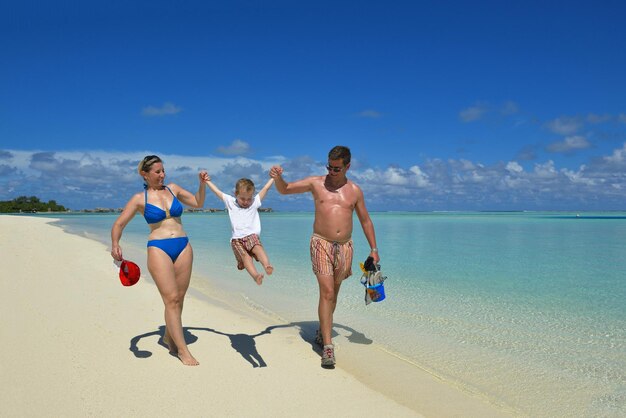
(169, 253)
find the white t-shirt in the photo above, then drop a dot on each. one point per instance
(244, 221)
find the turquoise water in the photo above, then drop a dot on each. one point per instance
(525, 308)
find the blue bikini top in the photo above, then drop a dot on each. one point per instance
(154, 214)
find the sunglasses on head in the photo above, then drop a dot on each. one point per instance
(334, 169)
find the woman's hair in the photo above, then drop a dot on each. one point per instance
(244, 185)
(147, 163)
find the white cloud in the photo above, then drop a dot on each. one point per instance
(107, 179)
(473, 113)
(564, 125)
(421, 178)
(368, 175)
(514, 182)
(594, 118)
(545, 170)
(102, 179)
(514, 168)
(480, 109)
(167, 109)
(569, 144)
(5, 155)
(578, 176)
(618, 156)
(6, 170)
(509, 108)
(237, 147)
(468, 165)
(477, 177)
(395, 176)
(369, 113)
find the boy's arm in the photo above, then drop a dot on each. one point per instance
(266, 188)
(214, 188)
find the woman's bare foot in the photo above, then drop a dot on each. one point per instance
(167, 340)
(269, 269)
(258, 278)
(187, 359)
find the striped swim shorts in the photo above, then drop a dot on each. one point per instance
(331, 258)
(243, 246)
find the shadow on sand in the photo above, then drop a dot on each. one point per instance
(245, 344)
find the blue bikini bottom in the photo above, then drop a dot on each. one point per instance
(171, 246)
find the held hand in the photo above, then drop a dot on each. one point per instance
(206, 179)
(276, 171)
(375, 256)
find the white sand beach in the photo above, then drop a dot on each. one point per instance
(78, 343)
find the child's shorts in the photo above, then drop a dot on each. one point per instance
(331, 258)
(243, 246)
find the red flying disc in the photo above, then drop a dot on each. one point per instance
(129, 273)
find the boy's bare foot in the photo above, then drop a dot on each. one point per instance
(169, 343)
(258, 278)
(188, 359)
(269, 269)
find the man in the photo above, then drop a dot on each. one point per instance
(336, 199)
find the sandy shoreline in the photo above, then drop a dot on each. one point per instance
(70, 323)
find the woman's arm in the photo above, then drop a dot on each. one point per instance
(194, 201)
(132, 207)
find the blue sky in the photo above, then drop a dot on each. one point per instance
(482, 105)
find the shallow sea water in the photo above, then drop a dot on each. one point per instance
(524, 308)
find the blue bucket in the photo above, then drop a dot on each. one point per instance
(376, 292)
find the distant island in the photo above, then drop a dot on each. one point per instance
(32, 204)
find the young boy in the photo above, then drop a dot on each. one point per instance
(246, 225)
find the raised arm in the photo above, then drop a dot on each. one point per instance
(194, 201)
(266, 188)
(214, 188)
(366, 224)
(298, 186)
